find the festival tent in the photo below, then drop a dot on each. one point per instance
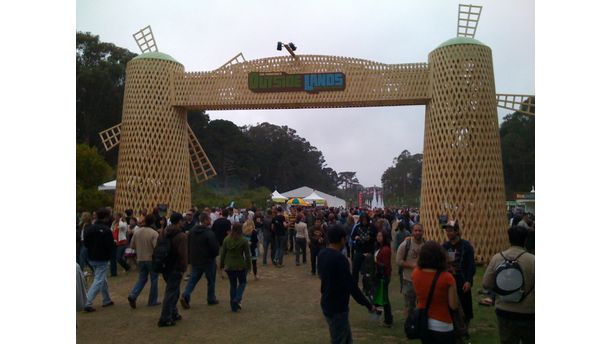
(278, 198)
(313, 197)
(297, 201)
(304, 191)
(108, 186)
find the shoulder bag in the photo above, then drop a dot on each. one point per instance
(415, 326)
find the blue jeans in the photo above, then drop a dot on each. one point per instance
(266, 243)
(281, 244)
(238, 281)
(339, 328)
(99, 283)
(171, 296)
(83, 258)
(144, 270)
(210, 271)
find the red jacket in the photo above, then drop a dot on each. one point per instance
(383, 260)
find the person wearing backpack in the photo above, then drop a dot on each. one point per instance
(406, 259)
(514, 306)
(173, 241)
(203, 250)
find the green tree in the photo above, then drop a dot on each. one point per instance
(285, 160)
(402, 181)
(517, 135)
(91, 171)
(100, 82)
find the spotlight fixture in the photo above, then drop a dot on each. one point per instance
(290, 48)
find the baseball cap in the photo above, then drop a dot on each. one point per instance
(454, 224)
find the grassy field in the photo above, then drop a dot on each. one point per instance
(282, 307)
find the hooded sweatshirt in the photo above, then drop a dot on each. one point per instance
(179, 246)
(235, 254)
(203, 246)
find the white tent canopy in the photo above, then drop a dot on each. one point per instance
(314, 197)
(112, 185)
(277, 197)
(304, 191)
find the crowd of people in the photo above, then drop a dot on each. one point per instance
(347, 248)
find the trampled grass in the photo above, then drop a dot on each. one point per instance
(282, 307)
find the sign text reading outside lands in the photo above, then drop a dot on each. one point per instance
(283, 82)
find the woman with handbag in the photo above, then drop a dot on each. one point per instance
(439, 301)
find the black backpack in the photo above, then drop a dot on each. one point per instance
(509, 280)
(162, 254)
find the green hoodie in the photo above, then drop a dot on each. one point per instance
(235, 254)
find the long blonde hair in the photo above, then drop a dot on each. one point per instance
(248, 227)
(85, 219)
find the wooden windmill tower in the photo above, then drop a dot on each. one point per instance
(157, 145)
(462, 164)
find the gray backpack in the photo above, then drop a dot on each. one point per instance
(509, 280)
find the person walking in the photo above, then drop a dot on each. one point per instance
(515, 318)
(249, 231)
(382, 257)
(301, 238)
(406, 259)
(268, 240)
(85, 222)
(143, 241)
(98, 239)
(236, 260)
(431, 272)
(317, 243)
(364, 239)
(203, 250)
(279, 225)
(174, 273)
(119, 229)
(337, 285)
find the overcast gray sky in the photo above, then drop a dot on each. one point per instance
(203, 35)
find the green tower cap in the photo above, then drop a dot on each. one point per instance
(156, 55)
(461, 40)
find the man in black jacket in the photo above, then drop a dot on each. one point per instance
(203, 249)
(98, 239)
(222, 226)
(364, 240)
(336, 286)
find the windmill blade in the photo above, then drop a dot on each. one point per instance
(467, 20)
(110, 137)
(234, 60)
(517, 102)
(201, 166)
(145, 40)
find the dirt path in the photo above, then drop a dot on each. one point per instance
(282, 307)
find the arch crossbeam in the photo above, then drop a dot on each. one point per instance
(367, 83)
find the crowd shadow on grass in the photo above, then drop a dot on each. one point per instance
(282, 307)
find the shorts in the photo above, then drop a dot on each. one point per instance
(409, 295)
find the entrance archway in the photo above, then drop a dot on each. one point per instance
(462, 166)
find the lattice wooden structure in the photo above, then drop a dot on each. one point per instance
(462, 166)
(467, 20)
(517, 102)
(110, 137)
(368, 83)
